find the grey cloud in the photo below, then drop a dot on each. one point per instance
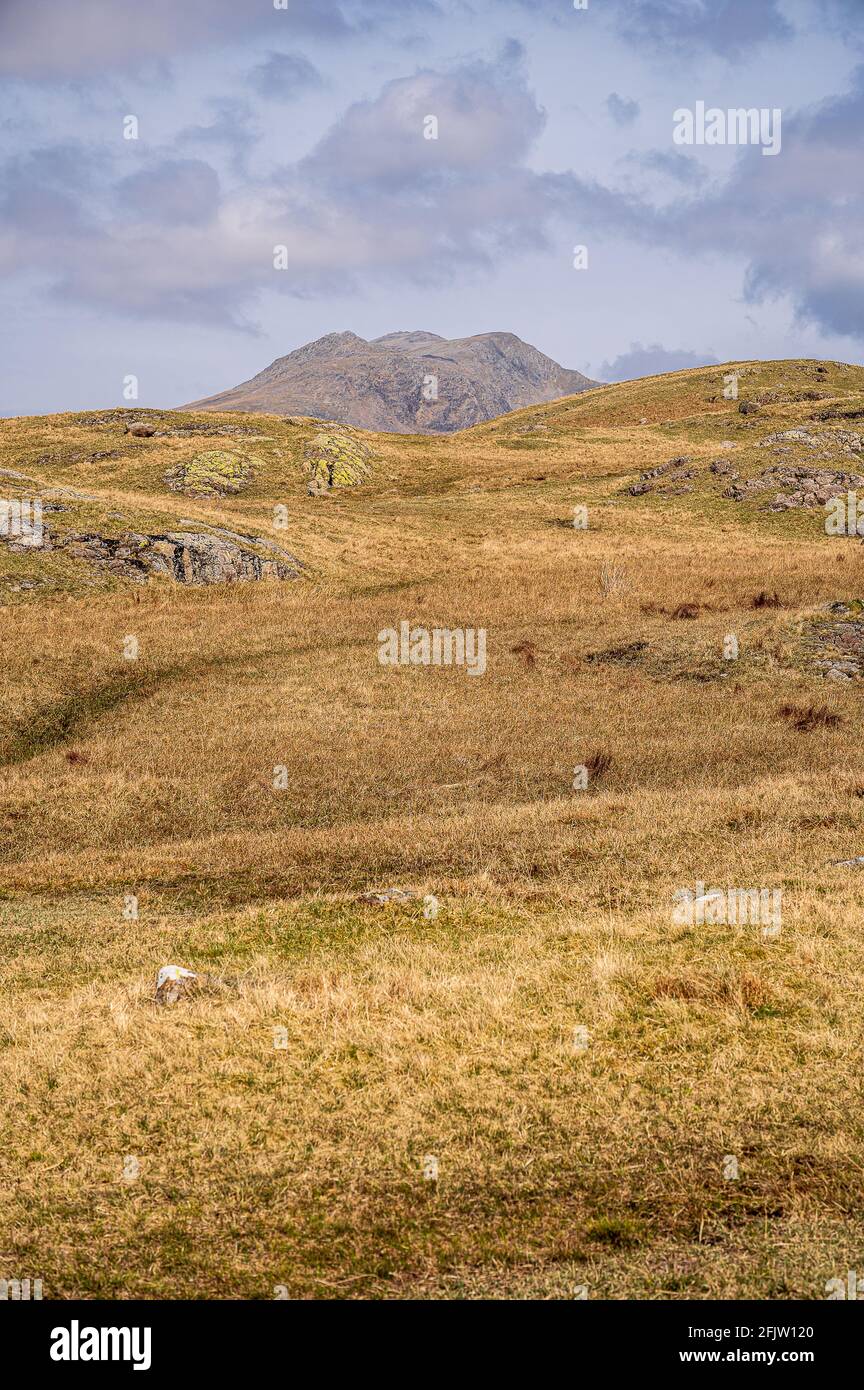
(730, 28)
(486, 119)
(232, 129)
(43, 190)
(374, 199)
(50, 38)
(673, 164)
(45, 38)
(174, 192)
(652, 361)
(622, 110)
(284, 76)
(844, 16)
(797, 219)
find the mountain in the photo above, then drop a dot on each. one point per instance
(384, 384)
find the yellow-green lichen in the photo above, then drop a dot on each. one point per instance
(336, 458)
(215, 473)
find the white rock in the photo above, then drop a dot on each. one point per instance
(171, 983)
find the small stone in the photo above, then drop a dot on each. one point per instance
(388, 895)
(172, 983)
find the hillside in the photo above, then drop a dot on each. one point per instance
(217, 774)
(404, 382)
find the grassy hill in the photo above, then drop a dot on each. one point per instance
(581, 1065)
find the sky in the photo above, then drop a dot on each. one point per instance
(265, 124)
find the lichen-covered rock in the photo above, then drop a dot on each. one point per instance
(215, 473)
(335, 458)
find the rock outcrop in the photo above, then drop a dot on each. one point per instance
(671, 478)
(335, 458)
(214, 473)
(215, 556)
(189, 557)
(802, 486)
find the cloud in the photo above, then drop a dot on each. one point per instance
(175, 192)
(41, 192)
(732, 29)
(652, 361)
(673, 164)
(675, 29)
(377, 201)
(42, 39)
(284, 76)
(477, 120)
(129, 244)
(797, 220)
(845, 17)
(374, 199)
(622, 111)
(232, 129)
(49, 38)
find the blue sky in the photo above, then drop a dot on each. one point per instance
(303, 127)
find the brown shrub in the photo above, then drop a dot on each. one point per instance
(810, 717)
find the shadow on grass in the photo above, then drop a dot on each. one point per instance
(56, 721)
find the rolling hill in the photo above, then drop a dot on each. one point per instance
(206, 762)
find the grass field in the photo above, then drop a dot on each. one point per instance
(589, 1072)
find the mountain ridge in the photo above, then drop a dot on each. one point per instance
(410, 381)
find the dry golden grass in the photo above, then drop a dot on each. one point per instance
(301, 1166)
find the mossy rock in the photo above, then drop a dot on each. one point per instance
(336, 458)
(215, 473)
